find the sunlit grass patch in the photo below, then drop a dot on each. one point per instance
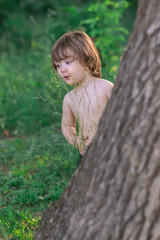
(18, 224)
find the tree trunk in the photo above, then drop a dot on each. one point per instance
(115, 193)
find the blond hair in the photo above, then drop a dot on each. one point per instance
(79, 45)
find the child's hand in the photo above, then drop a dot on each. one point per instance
(82, 144)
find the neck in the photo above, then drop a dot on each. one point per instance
(85, 82)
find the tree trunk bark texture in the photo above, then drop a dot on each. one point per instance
(115, 192)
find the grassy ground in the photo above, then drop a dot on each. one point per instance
(33, 172)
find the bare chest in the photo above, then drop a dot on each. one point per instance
(88, 105)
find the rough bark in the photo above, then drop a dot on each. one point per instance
(115, 193)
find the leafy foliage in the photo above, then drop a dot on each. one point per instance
(103, 24)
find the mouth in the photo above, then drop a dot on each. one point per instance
(66, 77)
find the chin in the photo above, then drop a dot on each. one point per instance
(70, 83)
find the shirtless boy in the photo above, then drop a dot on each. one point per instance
(77, 61)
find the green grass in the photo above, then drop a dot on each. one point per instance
(34, 172)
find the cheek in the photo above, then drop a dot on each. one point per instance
(58, 71)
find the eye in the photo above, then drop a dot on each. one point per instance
(58, 65)
(68, 62)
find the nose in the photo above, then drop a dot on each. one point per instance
(63, 69)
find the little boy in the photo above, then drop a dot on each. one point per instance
(77, 61)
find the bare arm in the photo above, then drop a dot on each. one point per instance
(68, 126)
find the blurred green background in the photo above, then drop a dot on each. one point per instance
(36, 163)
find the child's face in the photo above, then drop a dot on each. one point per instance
(71, 71)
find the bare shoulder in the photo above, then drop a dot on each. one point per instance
(66, 99)
(106, 86)
(105, 83)
(68, 96)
